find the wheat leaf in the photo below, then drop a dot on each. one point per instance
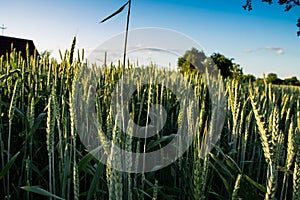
(39, 190)
(8, 165)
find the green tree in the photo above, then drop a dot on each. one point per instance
(273, 78)
(291, 81)
(236, 71)
(288, 4)
(225, 65)
(195, 60)
(260, 80)
(192, 60)
(248, 78)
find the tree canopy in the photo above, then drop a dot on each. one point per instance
(196, 60)
(225, 65)
(191, 60)
(273, 78)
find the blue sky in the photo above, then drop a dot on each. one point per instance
(261, 41)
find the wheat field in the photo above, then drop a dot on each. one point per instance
(42, 156)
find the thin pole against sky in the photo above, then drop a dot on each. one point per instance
(126, 34)
(127, 26)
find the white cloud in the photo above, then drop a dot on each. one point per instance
(277, 50)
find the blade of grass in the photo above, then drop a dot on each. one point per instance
(41, 191)
(8, 165)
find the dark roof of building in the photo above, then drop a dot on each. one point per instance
(18, 44)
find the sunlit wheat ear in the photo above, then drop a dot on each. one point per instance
(235, 193)
(235, 105)
(271, 183)
(277, 136)
(291, 146)
(50, 137)
(262, 129)
(269, 139)
(285, 102)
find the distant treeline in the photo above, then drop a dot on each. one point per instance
(194, 58)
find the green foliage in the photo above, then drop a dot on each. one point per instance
(236, 71)
(225, 65)
(248, 78)
(291, 81)
(273, 79)
(192, 60)
(8, 166)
